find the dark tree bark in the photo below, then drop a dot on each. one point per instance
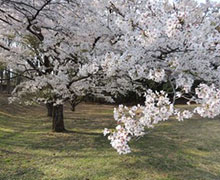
(74, 102)
(58, 123)
(8, 81)
(1, 77)
(18, 80)
(49, 109)
(73, 108)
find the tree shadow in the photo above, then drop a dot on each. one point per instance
(165, 155)
(83, 133)
(161, 151)
(18, 173)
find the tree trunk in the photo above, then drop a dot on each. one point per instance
(74, 102)
(73, 107)
(58, 123)
(49, 109)
(1, 77)
(18, 80)
(8, 81)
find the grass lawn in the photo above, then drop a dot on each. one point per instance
(188, 150)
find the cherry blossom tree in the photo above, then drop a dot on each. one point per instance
(109, 47)
(62, 49)
(177, 43)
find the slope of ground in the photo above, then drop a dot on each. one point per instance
(188, 150)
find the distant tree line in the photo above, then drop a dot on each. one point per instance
(8, 80)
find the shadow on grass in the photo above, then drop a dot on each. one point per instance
(166, 155)
(158, 153)
(19, 173)
(162, 151)
(83, 133)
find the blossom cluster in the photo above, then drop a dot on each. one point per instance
(208, 99)
(133, 121)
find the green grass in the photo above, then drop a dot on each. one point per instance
(188, 150)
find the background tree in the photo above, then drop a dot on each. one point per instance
(62, 48)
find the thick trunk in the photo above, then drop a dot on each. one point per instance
(58, 123)
(49, 109)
